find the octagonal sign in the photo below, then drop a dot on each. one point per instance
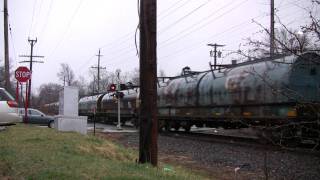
(22, 74)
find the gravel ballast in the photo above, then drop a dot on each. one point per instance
(229, 160)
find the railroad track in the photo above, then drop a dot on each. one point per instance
(213, 138)
(252, 142)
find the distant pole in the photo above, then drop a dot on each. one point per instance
(272, 45)
(6, 47)
(119, 98)
(215, 45)
(148, 145)
(31, 61)
(32, 43)
(98, 68)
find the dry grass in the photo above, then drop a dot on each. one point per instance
(28, 152)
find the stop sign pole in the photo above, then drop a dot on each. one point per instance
(23, 74)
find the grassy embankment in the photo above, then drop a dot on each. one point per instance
(28, 152)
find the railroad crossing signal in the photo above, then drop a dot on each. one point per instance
(113, 87)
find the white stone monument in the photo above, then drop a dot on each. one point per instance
(68, 119)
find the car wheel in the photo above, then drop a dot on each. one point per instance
(51, 124)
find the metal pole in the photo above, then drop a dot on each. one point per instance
(17, 93)
(99, 71)
(26, 105)
(94, 122)
(272, 45)
(119, 99)
(148, 144)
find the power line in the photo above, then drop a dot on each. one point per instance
(67, 29)
(34, 7)
(172, 6)
(85, 63)
(202, 41)
(173, 11)
(46, 19)
(194, 26)
(183, 17)
(126, 36)
(132, 32)
(39, 11)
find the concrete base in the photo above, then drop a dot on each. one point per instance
(71, 123)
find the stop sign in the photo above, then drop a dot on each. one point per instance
(22, 74)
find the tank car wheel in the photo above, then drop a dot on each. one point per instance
(176, 127)
(187, 128)
(167, 127)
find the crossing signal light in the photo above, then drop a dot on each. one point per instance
(113, 87)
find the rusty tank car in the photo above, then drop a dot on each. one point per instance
(104, 106)
(281, 94)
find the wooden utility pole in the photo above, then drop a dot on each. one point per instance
(98, 67)
(31, 61)
(215, 45)
(6, 47)
(272, 45)
(148, 145)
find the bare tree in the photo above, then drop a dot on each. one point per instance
(81, 85)
(48, 93)
(134, 76)
(313, 28)
(66, 74)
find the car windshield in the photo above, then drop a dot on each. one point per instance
(31, 112)
(5, 96)
(35, 112)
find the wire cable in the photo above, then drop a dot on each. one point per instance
(183, 17)
(33, 10)
(162, 16)
(67, 29)
(194, 26)
(46, 19)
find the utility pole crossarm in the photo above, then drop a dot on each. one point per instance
(215, 45)
(35, 56)
(32, 61)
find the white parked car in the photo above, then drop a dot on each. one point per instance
(8, 108)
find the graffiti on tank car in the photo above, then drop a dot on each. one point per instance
(234, 82)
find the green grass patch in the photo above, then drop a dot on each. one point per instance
(29, 152)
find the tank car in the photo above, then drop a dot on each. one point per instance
(50, 108)
(282, 92)
(128, 104)
(89, 105)
(105, 106)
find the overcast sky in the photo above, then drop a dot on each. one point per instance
(72, 31)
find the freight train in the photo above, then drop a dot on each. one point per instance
(280, 96)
